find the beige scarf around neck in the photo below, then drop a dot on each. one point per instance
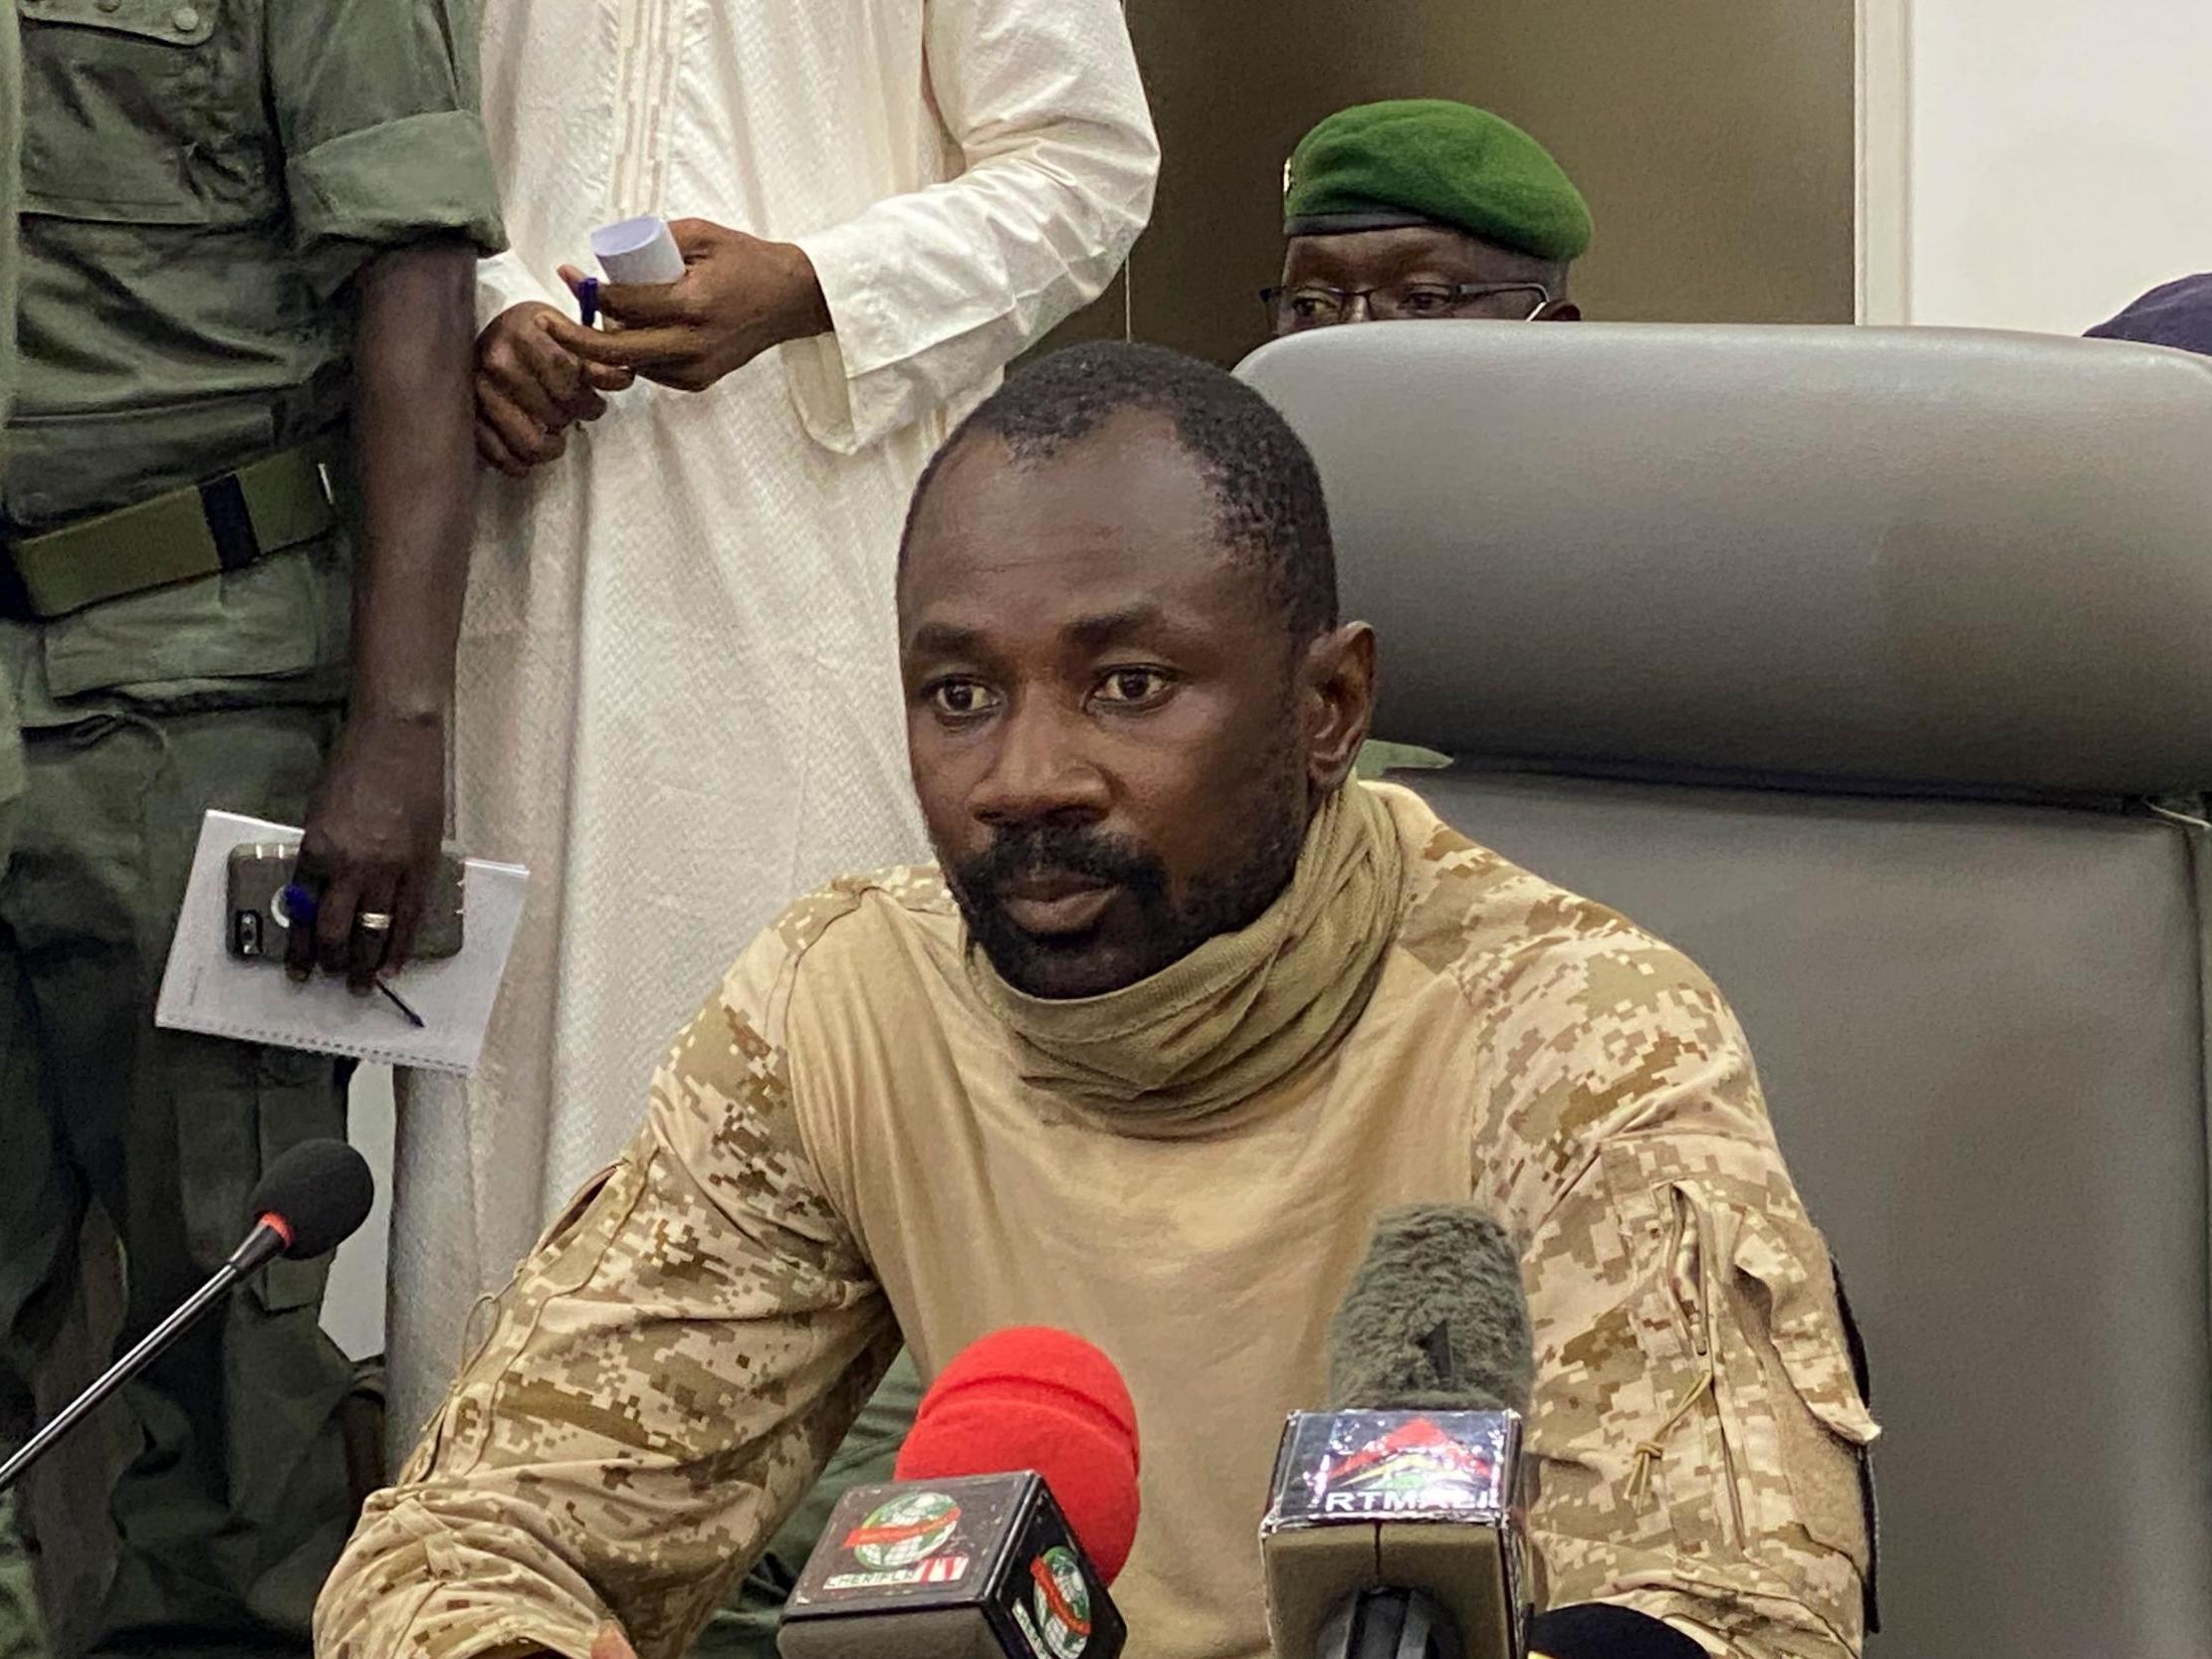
(1175, 1053)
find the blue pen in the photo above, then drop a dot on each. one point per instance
(588, 299)
(299, 906)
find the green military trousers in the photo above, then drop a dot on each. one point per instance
(745, 1626)
(232, 1500)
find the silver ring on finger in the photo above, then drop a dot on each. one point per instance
(372, 922)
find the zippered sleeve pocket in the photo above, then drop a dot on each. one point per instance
(1759, 1427)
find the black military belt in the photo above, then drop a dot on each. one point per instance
(223, 524)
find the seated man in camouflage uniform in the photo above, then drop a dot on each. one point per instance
(1407, 209)
(1182, 1008)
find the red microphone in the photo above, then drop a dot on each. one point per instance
(1031, 1397)
(1015, 1507)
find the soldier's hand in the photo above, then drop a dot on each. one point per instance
(530, 389)
(371, 852)
(737, 297)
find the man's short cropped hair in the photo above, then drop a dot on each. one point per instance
(1264, 484)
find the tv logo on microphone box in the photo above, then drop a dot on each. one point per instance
(1361, 1465)
(931, 1569)
(1401, 1501)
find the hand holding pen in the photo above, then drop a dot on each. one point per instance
(299, 907)
(531, 388)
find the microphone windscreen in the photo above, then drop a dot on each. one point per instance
(321, 1190)
(1435, 1319)
(1038, 1399)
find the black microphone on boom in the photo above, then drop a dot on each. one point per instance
(1396, 1526)
(307, 1203)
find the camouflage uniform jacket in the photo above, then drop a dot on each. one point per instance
(839, 1152)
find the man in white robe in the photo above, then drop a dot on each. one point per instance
(676, 696)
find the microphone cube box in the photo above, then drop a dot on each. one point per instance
(1432, 1500)
(972, 1567)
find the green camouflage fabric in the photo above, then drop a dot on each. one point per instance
(670, 1368)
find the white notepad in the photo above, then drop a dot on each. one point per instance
(205, 988)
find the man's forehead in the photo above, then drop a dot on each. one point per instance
(1403, 247)
(1123, 501)
(1084, 602)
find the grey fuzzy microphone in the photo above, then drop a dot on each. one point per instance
(1394, 1530)
(1435, 1319)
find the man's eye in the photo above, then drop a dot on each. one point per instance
(960, 698)
(1134, 686)
(1425, 301)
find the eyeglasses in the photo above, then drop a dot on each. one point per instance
(1315, 306)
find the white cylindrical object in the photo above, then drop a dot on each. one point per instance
(638, 250)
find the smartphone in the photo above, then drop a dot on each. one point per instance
(260, 870)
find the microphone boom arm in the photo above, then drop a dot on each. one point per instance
(264, 1243)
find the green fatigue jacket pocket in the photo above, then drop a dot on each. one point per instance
(118, 104)
(272, 623)
(276, 631)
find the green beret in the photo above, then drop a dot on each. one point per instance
(1427, 160)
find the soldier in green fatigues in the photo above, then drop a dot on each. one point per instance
(21, 1632)
(233, 530)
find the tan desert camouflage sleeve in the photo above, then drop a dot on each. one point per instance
(664, 1377)
(1696, 1424)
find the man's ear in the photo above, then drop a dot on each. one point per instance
(1336, 696)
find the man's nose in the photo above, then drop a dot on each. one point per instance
(1358, 307)
(1040, 771)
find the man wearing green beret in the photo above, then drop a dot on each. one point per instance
(1425, 208)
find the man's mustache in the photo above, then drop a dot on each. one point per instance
(1060, 850)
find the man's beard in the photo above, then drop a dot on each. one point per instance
(1164, 932)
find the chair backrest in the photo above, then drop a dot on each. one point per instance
(1847, 660)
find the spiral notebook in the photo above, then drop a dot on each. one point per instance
(205, 988)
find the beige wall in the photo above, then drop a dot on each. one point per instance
(1714, 137)
(2049, 159)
